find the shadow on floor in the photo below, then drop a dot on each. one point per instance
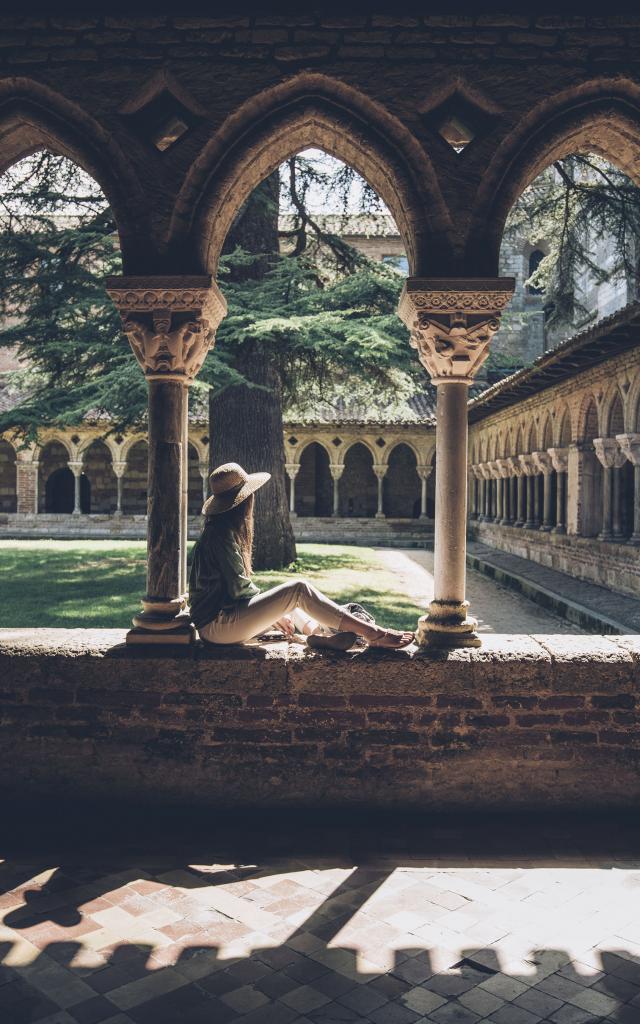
(60, 964)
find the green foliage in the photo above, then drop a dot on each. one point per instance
(323, 312)
(576, 206)
(319, 336)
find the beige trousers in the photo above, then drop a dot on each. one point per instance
(247, 619)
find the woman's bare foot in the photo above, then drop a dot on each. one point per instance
(392, 638)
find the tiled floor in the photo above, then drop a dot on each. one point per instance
(546, 929)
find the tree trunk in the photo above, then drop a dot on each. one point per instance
(245, 423)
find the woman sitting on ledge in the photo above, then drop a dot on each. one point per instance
(228, 608)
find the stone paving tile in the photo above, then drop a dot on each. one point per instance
(553, 941)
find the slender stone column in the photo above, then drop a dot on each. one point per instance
(611, 457)
(529, 470)
(543, 462)
(452, 323)
(630, 447)
(336, 473)
(76, 469)
(503, 483)
(424, 472)
(27, 482)
(204, 473)
(560, 461)
(617, 503)
(292, 470)
(170, 323)
(475, 487)
(517, 509)
(513, 506)
(119, 469)
(380, 472)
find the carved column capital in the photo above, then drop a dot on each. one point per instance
(559, 459)
(452, 321)
(380, 470)
(336, 471)
(515, 465)
(630, 446)
(609, 452)
(528, 466)
(119, 467)
(292, 469)
(170, 322)
(542, 461)
(424, 472)
(76, 467)
(504, 468)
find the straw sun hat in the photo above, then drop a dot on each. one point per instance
(230, 485)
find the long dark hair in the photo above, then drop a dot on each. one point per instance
(238, 522)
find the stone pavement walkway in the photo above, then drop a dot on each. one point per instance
(445, 936)
(582, 600)
(497, 609)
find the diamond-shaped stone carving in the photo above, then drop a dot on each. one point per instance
(163, 111)
(460, 118)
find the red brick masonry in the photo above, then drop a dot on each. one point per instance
(524, 721)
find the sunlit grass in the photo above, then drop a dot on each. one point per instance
(98, 583)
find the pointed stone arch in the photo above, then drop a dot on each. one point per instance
(310, 110)
(34, 117)
(600, 116)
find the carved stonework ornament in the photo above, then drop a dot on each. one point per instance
(453, 321)
(609, 452)
(170, 322)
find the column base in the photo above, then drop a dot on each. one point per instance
(448, 625)
(183, 635)
(380, 515)
(519, 524)
(558, 529)
(605, 536)
(634, 540)
(530, 525)
(545, 529)
(293, 515)
(162, 622)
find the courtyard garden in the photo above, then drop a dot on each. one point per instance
(99, 583)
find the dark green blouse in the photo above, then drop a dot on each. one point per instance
(218, 579)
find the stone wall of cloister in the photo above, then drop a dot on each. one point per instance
(359, 472)
(555, 476)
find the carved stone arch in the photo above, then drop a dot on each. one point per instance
(393, 444)
(519, 442)
(7, 440)
(530, 436)
(311, 110)
(633, 407)
(600, 116)
(366, 443)
(57, 437)
(545, 432)
(563, 427)
(34, 117)
(612, 415)
(330, 450)
(588, 418)
(200, 448)
(128, 444)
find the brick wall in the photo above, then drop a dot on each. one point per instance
(521, 722)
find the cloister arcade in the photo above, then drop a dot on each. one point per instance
(174, 198)
(556, 475)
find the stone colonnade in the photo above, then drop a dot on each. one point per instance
(398, 461)
(170, 324)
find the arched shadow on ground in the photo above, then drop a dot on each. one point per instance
(65, 957)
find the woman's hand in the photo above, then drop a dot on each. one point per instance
(286, 625)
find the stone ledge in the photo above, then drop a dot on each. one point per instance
(525, 721)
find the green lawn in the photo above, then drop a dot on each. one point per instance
(99, 582)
